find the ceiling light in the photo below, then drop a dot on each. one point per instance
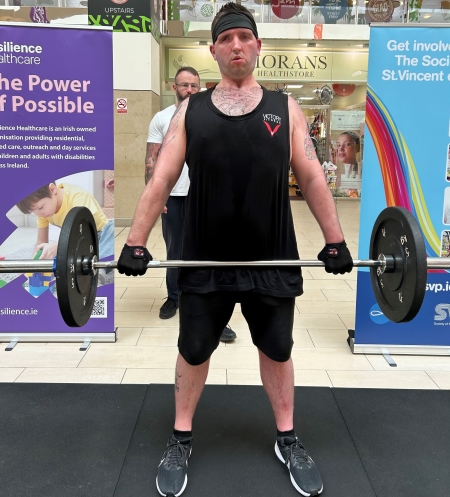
(307, 98)
(295, 86)
(426, 16)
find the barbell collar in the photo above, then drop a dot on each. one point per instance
(89, 265)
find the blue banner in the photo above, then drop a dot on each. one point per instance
(407, 163)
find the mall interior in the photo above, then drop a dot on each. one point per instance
(322, 63)
(324, 68)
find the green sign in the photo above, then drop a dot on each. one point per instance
(141, 16)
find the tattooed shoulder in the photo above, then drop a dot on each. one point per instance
(310, 151)
(179, 113)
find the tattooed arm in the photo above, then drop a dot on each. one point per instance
(166, 171)
(310, 177)
(150, 160)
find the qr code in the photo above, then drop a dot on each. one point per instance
(100, 309)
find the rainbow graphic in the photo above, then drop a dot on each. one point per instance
(401, 183)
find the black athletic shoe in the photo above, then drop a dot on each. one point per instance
(228, 335)
(304, 473)
(172, 470)
(168, 309)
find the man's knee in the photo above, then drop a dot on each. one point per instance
(278, 354)
(194, 356)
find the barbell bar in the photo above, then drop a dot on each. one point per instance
(44, 266)
(398, 265)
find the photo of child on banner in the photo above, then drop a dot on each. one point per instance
(40, 215)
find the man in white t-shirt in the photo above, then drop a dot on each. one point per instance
(187, 82)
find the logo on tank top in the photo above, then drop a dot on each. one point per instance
(272, 120)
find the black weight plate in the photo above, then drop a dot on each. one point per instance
(399, 293)
(76, 291)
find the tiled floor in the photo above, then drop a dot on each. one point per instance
(146, 348)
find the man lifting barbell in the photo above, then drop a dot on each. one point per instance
(238, 140)
(240, 189)
(398, 265)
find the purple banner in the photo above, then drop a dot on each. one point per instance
(56, 152)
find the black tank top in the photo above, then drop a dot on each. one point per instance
(238, 206)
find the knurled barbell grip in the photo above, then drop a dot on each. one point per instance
(169, 264)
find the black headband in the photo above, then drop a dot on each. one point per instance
(231, 21)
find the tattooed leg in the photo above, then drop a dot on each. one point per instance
(189, 383)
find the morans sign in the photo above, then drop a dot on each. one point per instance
(344, 67)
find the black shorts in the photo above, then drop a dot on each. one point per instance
(203, 316)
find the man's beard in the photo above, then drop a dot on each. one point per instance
(180, 97)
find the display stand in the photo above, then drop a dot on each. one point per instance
(400, 171)
(57, 140)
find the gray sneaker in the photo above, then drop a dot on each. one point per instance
(172, 470)
(304, 473)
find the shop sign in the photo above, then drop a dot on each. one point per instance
(333, 10)
(279, 66)
(342, 120)
(380, 10)
(114, 7)
(285, 9)
(130, 16)
(295, 65)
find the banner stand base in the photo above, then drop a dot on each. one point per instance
(10, 346)
(58, 337)
(387, 350)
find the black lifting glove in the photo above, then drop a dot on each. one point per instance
(133, 260)
(337, 258)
